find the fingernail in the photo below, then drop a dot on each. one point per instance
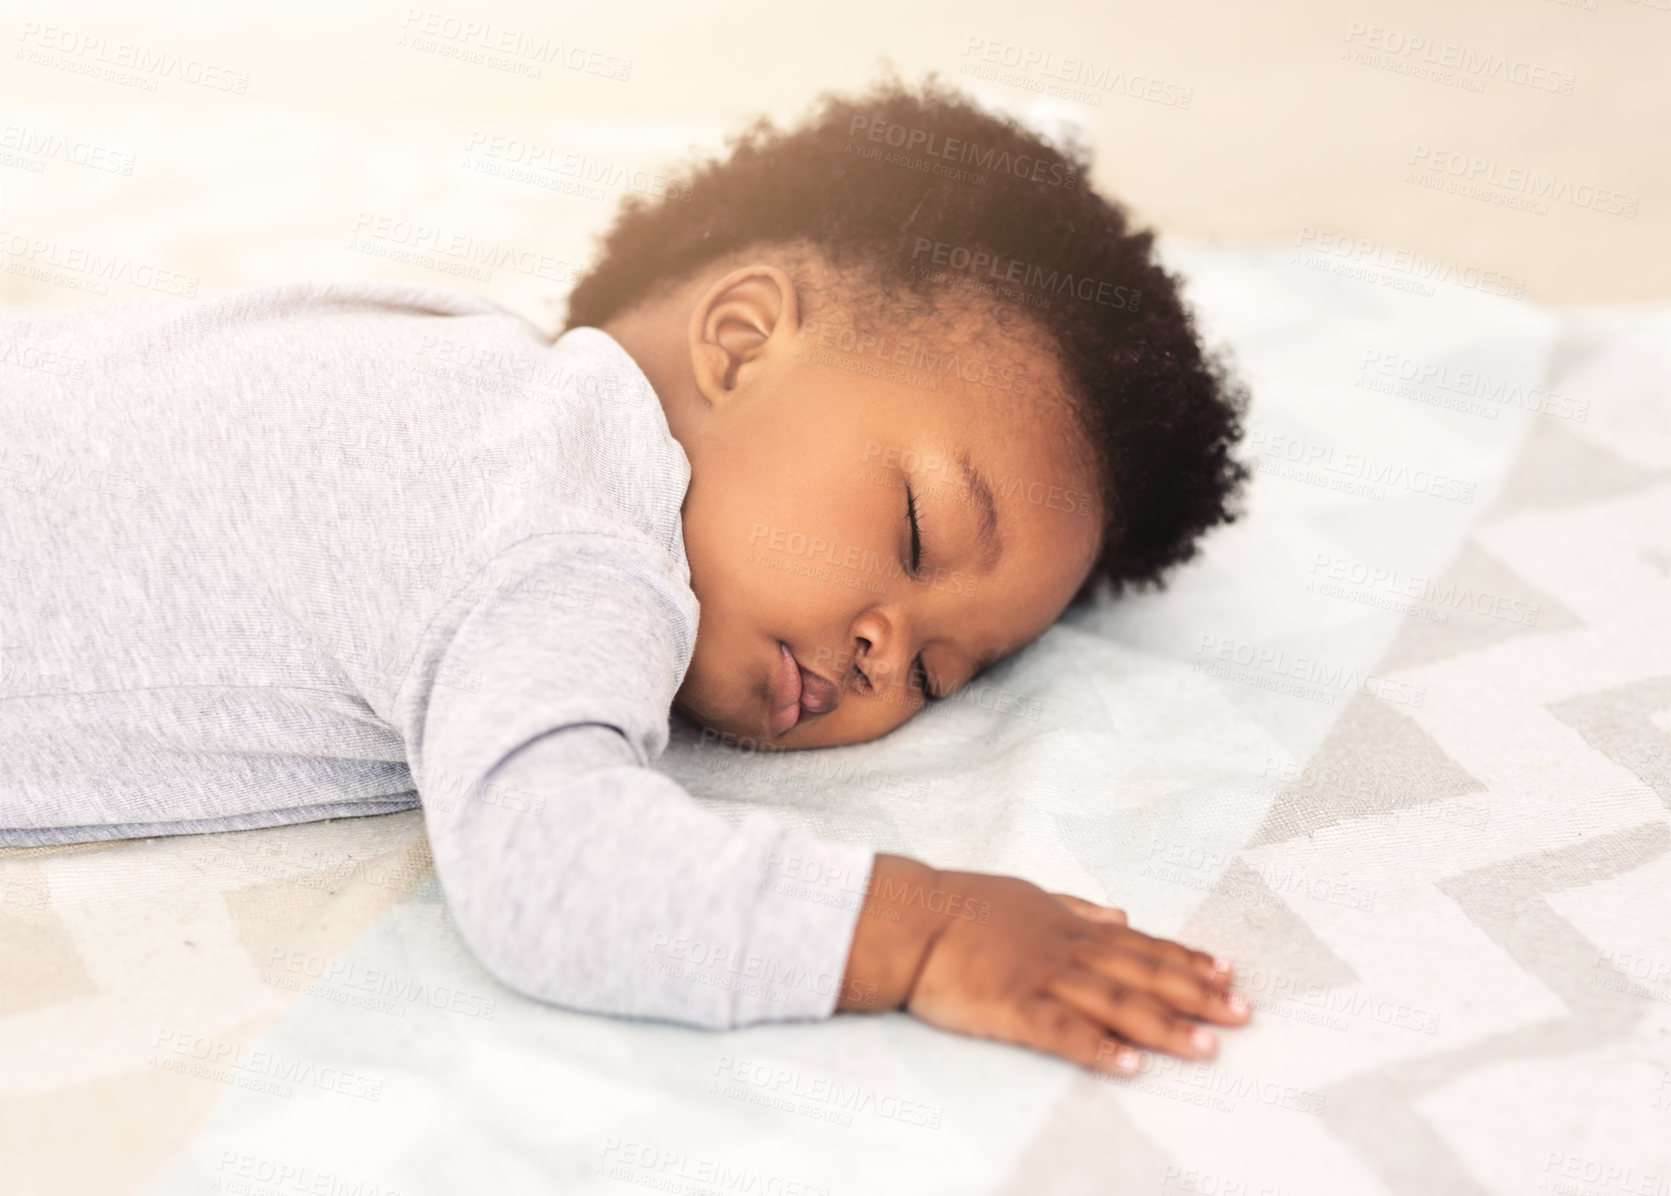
(1237, 1003)
(1201, 1040)
(1126, 1060)
(1221, 964)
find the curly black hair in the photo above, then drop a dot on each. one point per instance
(884, 184)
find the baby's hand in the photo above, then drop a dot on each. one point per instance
(998, 957)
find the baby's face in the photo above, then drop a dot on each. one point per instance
(824, 612)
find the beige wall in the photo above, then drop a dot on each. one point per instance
(1301, 115)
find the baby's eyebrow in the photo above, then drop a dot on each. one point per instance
(986, 534)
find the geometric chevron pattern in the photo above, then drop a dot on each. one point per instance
(1512, 851)
(1433, 830)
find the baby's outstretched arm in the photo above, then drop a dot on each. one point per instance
(577, 873)
(998, 957)
(583, 877)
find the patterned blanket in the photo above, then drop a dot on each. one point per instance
(1399, 743)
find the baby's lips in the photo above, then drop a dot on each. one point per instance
(818, 695)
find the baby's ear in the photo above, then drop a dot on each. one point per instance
(735, 321)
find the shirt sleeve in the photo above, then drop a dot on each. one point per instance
(578, 874)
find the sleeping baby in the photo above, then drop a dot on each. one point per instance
(857, 414)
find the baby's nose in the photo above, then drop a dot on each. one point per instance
(818, 696)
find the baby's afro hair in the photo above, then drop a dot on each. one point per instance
(1158, 415)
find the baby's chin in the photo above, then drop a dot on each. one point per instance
(750, 734)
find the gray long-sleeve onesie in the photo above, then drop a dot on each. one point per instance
(324, 549)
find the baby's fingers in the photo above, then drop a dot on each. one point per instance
(1134, 1016)
(1060, 1029)
(1210, 967)
(1091, 910)
(1181, 988)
